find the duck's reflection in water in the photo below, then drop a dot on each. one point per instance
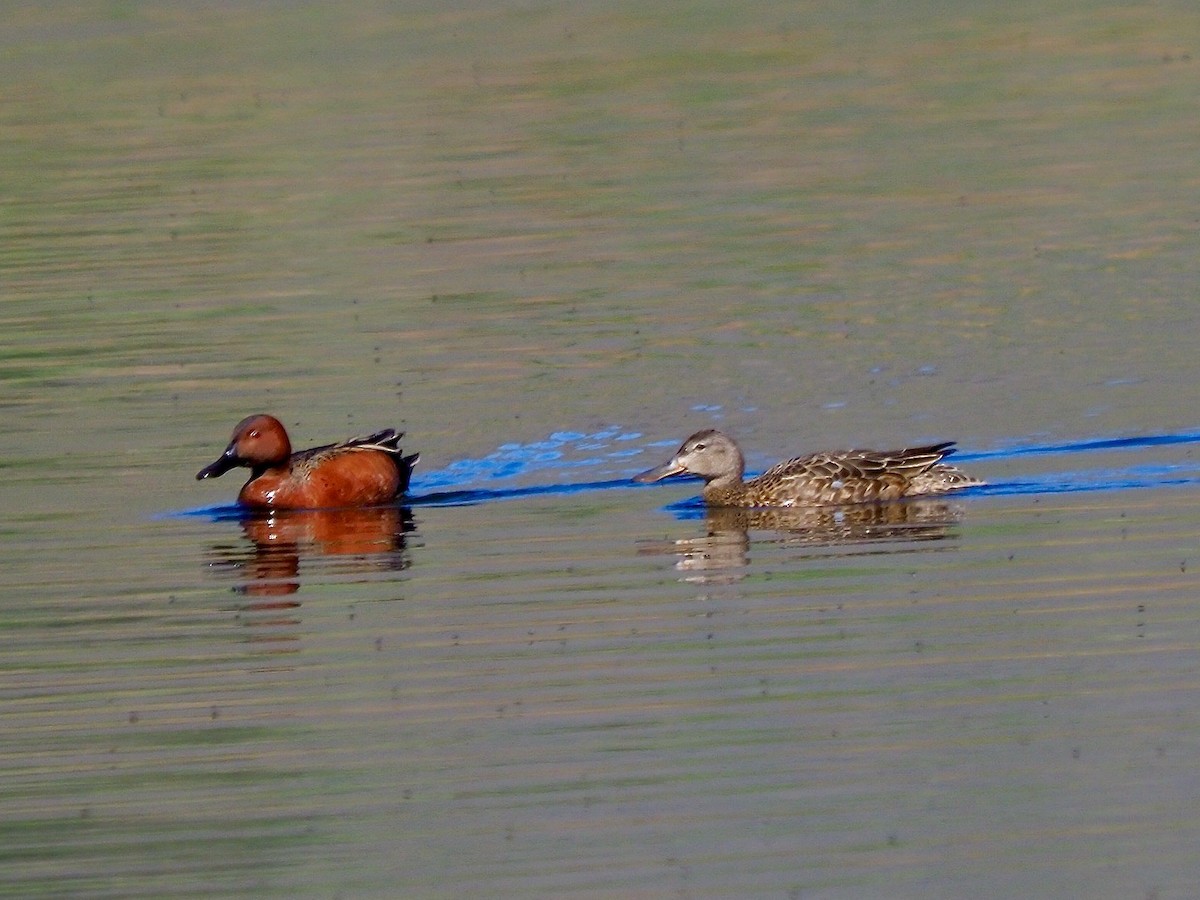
(340, 541)
(723, 552)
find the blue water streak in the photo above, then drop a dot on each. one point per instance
(1123, 443)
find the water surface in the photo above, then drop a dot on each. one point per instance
(549, 244)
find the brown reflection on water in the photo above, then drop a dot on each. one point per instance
(723, 552)
(360, 540)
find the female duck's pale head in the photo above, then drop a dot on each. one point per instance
(709, 454)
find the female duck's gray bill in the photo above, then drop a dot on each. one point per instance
(658, 473)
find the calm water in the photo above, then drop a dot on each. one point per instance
(549, 243)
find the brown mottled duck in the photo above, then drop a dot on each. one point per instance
(820, 479)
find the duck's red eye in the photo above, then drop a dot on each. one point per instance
(253, 434)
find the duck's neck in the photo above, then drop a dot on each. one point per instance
(725, 490)
(275, 468)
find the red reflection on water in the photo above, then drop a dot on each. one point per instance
(367, 540)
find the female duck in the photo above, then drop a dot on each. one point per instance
(822, 479)
(362, 471)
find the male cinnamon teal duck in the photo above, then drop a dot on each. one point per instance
(822, 479)
(361, 471)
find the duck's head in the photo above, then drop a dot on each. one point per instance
(259, 442)
(709, 454)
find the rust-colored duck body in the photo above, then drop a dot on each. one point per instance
(820, 479)
(361, 471)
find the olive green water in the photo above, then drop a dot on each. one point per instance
(815, 225)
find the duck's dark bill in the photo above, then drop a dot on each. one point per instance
(222, 464)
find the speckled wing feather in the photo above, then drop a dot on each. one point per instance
(852, 476)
